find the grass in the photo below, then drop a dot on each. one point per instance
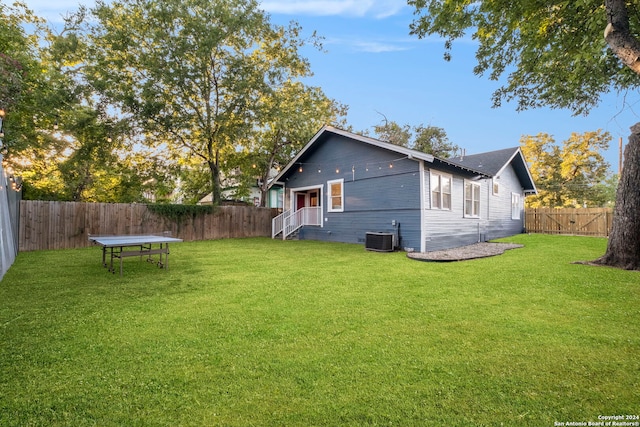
(255, 332)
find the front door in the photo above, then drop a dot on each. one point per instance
(311, 200)
(301, 199)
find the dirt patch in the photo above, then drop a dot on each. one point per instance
(477, 250)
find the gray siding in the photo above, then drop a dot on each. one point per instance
(376, 195)
(445, 229)
(500, 222)
(382, 192)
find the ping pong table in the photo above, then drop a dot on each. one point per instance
(127, 246)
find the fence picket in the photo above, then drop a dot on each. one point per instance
(581, 222)
(64, 225)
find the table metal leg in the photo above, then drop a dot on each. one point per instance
(111, 262)
(166, 258)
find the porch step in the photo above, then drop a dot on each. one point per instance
(294, 220)
(292, 236)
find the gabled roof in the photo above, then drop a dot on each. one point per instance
(494, 162)
(412, 154)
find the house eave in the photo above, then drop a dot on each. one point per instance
(412, 154)
(409, 153)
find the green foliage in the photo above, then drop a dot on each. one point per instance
(604, 193)
(179, 212)
(192, 75)
(17, 54)
(195, 179)
(434, 140)
(58, 139)
(20, 75)
(289, 116)
(428, 139)
(549, 53)
(571, 175)
(247, 332)
(394, 133)
(134, 96)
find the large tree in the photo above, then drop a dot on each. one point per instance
(20, 73)
(289, 116)
(190, 73)
(568, 175)
(56, 137)
(428, 139)
(554, 54)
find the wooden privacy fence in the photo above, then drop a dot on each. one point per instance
(582, 221)
(63, 225)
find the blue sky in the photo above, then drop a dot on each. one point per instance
(374, 66)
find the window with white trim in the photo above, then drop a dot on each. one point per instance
(440, 191)
(335, 195)
(471, 199)
(515, 206)
(496, 187)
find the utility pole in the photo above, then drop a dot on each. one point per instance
(620, 158)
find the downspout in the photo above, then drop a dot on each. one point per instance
(284, 195)
(423, 231)
(284, 204)
(489, 196)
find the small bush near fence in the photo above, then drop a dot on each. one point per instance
(582, 222)
(62, 225)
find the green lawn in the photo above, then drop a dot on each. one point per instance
(260, 332)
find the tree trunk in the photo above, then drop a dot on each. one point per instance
(215, 183)
(263, 197)
(623, 249)
(618, 36)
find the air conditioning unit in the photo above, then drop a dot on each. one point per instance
(381, 242)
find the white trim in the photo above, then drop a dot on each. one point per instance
(441, 175)
(292, 191)
(526, 167)
(517, 196)
(464, 198)
(329, 202)
(423, 208)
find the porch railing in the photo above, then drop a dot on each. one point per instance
(289, 221)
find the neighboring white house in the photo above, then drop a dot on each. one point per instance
(230, 192)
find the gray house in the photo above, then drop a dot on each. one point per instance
(345, 187)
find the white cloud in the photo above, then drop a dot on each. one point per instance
(376, 8)
(359, 8)
(377, 47)
(62, 5)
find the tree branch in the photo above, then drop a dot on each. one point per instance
(618, 36)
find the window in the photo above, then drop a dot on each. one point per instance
(336, 196)
(496, 187)
(471, 199)
(440, 191)
(515, 206)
